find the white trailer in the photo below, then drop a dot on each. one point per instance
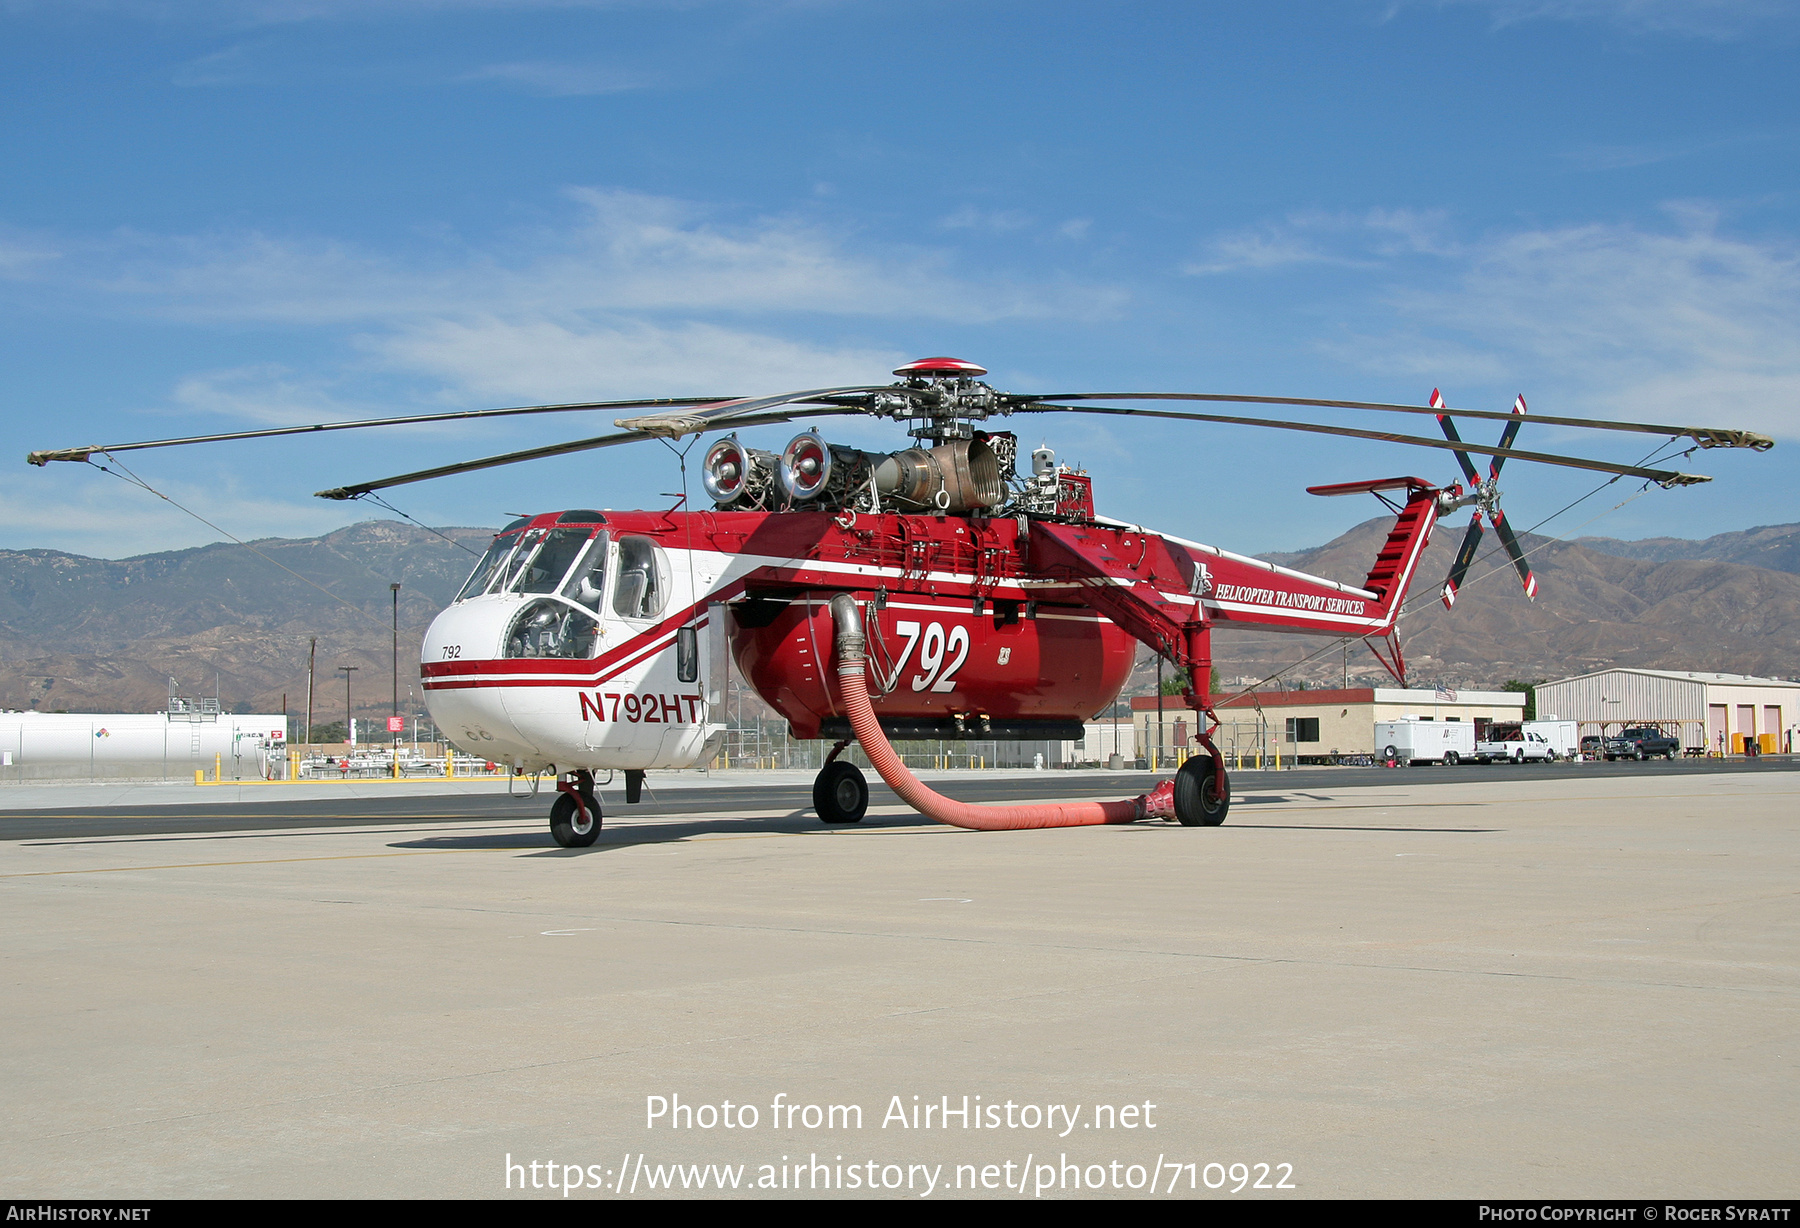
(1563, 736)
(1415, 740)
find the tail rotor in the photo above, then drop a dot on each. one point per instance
(1485, 495)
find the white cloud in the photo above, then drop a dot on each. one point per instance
(1711, 19)
(998, 221)
(284, 12)
(1256, 250)
(24, 255)
(231, 66)
(625, 252)
(1682, 325)
(501, 360)
(83, 511)
(1349, 240)
(267, 393)
(562, 80)
(632, 293)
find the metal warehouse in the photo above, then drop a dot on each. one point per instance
(1711, 712)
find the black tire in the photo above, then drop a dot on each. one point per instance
(1639, 755)
(565, 821)
(1549, 756)
(840, 793)
(1392, 752)
(1669, 755)
(1451, 758)
(1198, 801)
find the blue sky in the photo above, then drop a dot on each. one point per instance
(220, 214)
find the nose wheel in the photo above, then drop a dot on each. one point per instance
(575, 815)
(840, 793)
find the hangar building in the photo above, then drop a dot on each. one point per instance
(1711, 711)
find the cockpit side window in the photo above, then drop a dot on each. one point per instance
(587, 579)
(544, 574)
(483, 575)
(642, 585)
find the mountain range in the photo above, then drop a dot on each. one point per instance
(80, 634)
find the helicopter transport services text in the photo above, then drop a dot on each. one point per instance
(1025, 1166)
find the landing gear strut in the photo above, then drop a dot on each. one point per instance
(575, 815)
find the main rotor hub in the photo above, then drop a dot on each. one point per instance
(940, 367)
(943, 396)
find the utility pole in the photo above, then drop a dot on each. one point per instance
(311, 653)
(395, 587)
(347, 670)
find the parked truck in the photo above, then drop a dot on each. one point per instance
(1416, 740)
(1543, 741)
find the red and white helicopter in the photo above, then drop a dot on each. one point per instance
(941, 591)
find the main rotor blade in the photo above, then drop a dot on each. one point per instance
(560, 449)
(676, 425)
(1662, 477)
(1705, 436)
(80, 454)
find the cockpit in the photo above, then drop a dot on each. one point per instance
(566, 569)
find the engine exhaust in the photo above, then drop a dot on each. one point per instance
(853, 688)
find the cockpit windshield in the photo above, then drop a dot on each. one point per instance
(483, 575)
(546, 569)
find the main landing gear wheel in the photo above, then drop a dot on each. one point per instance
(1199, 801)
(840, 793)
(566, 821)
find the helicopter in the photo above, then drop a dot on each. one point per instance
(947, 590)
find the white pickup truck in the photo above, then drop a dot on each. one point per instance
(1513, 743)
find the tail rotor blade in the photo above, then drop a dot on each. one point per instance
(1462, 458)
(1508, 435)
(1464, 557)
(1517, 555)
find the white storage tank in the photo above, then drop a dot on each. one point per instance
(137, 745)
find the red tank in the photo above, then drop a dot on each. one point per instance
(1021, 670)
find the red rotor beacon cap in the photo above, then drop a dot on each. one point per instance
(940, 366)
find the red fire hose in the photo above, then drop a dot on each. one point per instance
(853, 687)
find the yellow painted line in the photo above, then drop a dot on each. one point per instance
(358, 780)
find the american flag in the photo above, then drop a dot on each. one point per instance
(1446, 694)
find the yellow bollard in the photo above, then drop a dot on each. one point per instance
(218, 767)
